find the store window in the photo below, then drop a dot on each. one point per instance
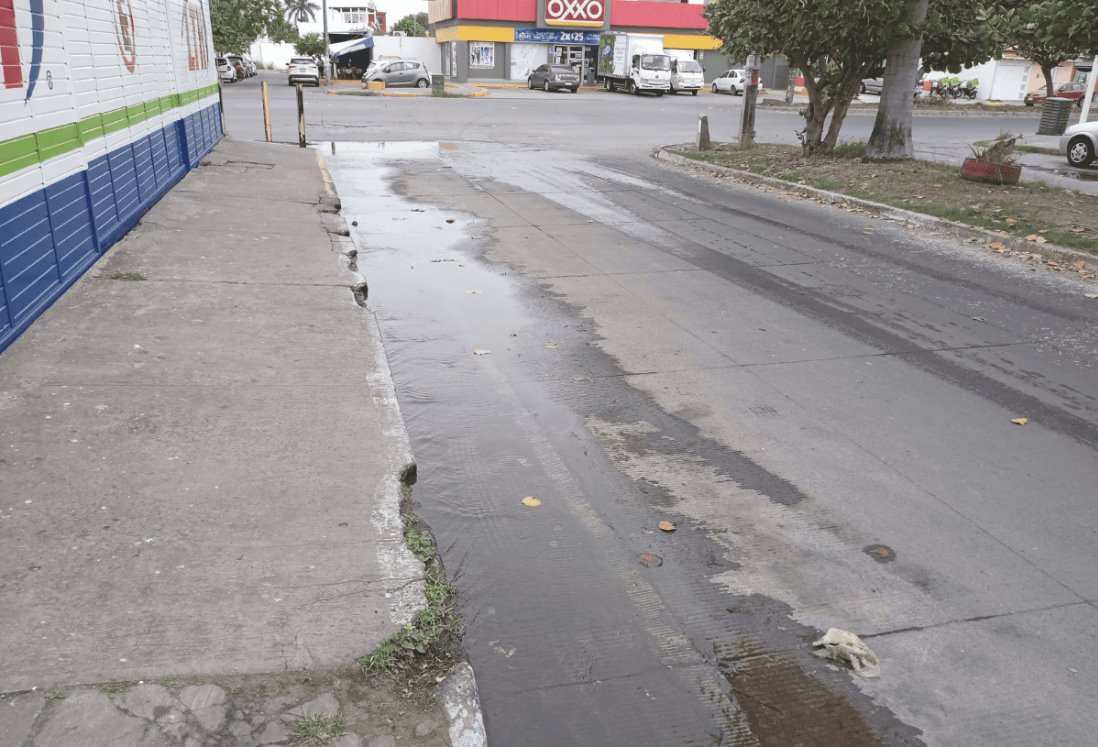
(482, 55)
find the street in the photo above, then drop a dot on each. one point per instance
(820, 403)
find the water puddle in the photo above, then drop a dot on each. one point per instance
(575, 638)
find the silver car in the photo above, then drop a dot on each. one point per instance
(395, 73)
(1079, 144)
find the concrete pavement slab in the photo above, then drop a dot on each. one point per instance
(961, 681)
(201, 473)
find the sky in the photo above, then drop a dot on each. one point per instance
(394, 10)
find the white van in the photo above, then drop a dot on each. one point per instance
(686, 75)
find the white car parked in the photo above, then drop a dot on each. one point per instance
(304, 70)
(686, 75)
(731, 81)
(226, 73)
(1079, 144)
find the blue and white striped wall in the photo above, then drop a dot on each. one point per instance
(104, 105)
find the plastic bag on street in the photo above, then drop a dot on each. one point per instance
(842, 645)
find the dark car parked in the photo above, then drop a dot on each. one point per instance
(553, 78)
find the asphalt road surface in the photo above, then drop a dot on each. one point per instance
(820, 403)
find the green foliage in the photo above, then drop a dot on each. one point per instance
(430, 625)
(834, 43)
(419, 543)
(318, 729)
(310, 44)
(1051, 32)
(238, 23)
(412, 25)
(959, 33)
(281, 30)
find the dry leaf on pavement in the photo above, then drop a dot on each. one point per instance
(1019, 421)
(531, 501)
(997, 246)
(651, 560)
(551, 346)
(481, 351)
(666, 526)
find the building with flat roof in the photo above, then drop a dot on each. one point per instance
(503, 40)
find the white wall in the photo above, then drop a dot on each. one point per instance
(525, 57)
(84, 73)
(422, 48)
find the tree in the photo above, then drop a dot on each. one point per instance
(238, 23)
(301, 11)
(1049, 33)
(412, 25)
(834, 43)
(945, 35)
(311, 45)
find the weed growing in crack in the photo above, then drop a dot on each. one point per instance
(420, 544)
(116, 688)
(431, 624)
(126, 276)
(167, 682)
(318, 729)
(57, 694)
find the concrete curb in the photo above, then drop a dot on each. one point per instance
(952, 228)
(462, 704)
(458, 691)
(475, 93)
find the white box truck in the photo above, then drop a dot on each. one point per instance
(634, 62)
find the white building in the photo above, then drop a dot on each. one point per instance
(347, 19)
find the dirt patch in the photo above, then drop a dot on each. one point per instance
(1032, 210)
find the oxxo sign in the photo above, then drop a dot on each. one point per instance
(574, 13)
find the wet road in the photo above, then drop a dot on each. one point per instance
(821, 402)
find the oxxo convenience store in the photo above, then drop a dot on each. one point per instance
(503, 40)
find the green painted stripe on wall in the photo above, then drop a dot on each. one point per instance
(58, 140)
(18, 153)
(27, 150)
(91, 127)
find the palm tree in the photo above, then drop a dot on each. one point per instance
(300, 11)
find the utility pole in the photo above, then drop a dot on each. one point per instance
(327, 48)
(750, 94)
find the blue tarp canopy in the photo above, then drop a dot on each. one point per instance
(366, 42)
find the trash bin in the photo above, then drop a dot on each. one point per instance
(1054, 116)
(438, 83)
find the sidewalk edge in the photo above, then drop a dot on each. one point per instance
(462, 703)
(957, 230)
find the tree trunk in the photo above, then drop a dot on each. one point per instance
(815, 115)
(838, 114)
(1047, 71)
(891, 138)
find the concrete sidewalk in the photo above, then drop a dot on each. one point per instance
(200, 472)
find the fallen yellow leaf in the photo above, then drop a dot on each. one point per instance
(1010, 221)
(1041, 240)
(996, 246)
(666, 526)
(531, 501)
(1078, 265)
(1019, 421)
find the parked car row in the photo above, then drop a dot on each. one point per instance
(234, 67)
